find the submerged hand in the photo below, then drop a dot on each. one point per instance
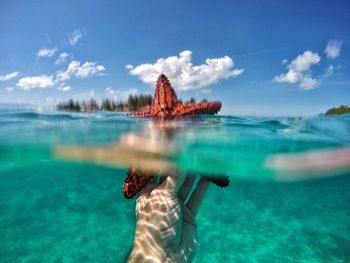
(165, 228)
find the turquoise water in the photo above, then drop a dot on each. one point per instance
(55, 210)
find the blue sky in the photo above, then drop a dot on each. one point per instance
(257, 57)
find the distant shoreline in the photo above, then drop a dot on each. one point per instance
(134, 103)
(342, 109)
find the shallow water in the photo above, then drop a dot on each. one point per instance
(60, 211)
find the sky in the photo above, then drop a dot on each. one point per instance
(259, 58)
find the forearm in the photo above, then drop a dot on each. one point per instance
(138, 255)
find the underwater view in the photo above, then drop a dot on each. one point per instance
(56, 210)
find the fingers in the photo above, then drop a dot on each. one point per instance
(219, 180)
(188, 244)
(197, 196)
(186, 187)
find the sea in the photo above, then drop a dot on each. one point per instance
(288, 198)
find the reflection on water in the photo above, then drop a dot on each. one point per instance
(165, 147)
(311, 164)
(149, 151)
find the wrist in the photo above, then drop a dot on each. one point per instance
(142, 254)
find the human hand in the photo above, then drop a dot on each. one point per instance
(166, 229)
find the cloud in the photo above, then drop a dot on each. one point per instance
(42, 81)
(63, 87)
(45, 52)
(74, 37)
(328, 71)
(333, 49)
(9, 76)
(80, 71)
(61, 58)
(298, 71)
(119, 94)
(183, 74)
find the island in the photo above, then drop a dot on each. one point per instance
(134, 102)
(342, 109)
(164, 102)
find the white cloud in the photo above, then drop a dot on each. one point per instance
(42, 81)
(9, 76)
(63, 87)
(61, 58)
(183, 74)
(328, 71)
(74, 37)
(80, 71)
(307, 83)
(333, 49)
(45, 52)
(119, 94)
(298, 71)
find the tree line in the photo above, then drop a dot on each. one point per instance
(134, 103)
(339, 110)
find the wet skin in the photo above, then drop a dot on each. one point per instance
(166, 229)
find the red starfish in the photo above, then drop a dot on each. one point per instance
(166, 105)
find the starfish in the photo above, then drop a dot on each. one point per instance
(166, 104)
(148, 155)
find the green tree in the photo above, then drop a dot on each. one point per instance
(337, 111)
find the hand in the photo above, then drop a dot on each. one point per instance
(166, 229)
